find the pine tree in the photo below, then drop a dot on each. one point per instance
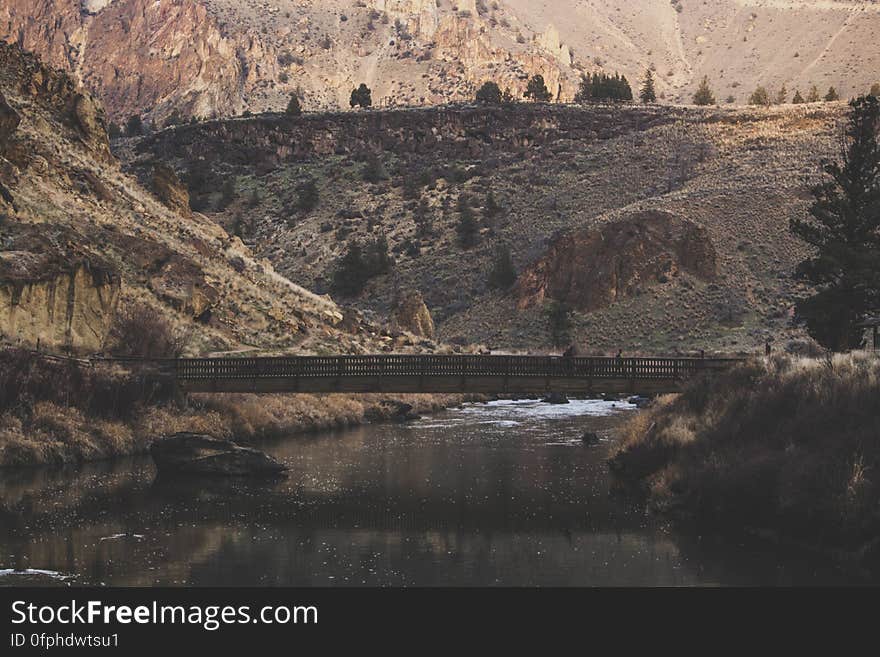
(797, 99)
(647, 94)
(489, 94)
(294, 108)
(813, 96)
(844, 230)
(537, 90)
(704, 95)
(832, 95)
(760, 96)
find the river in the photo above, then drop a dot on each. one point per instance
(499, 494)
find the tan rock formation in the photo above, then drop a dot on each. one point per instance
(591, 269)
(67, 304)
(411, 314)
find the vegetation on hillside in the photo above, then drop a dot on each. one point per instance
(787, 445)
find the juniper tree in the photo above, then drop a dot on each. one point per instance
(294, 108)
(362, 96)
(350, 275)
(760, 96)
(813, 96)
(797, 99)
(844, 230)
(503, 273)
(537, 90)
(782, 96)
(704, 95)
(647, 94)
(489, 94)
(832, 95)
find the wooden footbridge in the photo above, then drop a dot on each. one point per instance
(442, 374)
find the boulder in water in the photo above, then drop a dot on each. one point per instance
(556, 398)
(197, 454)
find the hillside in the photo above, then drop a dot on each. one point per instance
(83, 243)
(696, 211)
(218, 58)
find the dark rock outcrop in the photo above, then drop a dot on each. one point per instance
(197, 454)
(591, 269)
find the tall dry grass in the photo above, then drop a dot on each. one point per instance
(55, 412)
(790, 444)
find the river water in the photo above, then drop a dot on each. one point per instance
(500, 494)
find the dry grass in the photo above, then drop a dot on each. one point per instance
(53, 413)
(789, 445)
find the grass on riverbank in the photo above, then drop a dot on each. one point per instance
(791, 445)
(54, 412)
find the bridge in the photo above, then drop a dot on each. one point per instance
(443, 374)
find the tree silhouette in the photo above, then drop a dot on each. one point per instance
(844, 229)
(294, 108)
(537, 90)
(832, 95)
(503, 273)
(489, 94)
(813, 96)
(362, 96)
(647, 94)
(797, 99)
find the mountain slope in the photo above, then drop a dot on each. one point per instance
(82, 240)
(210, 58)
(695, 201)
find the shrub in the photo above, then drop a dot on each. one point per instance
(140, 331)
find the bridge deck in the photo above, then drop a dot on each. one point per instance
(442, 374)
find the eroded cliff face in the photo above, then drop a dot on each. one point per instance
(591, 269)
(214, 58)
(55, 299)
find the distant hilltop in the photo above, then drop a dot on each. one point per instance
(166, 59)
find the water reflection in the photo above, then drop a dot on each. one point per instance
(504, 494)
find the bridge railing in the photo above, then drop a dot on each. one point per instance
(447, 366)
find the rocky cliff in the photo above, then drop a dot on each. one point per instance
(217, 58)
(80, 240)
(52, 296)
(591, 269)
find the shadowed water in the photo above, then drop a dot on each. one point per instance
(498, 494)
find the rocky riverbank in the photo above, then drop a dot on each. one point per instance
(786, 447)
